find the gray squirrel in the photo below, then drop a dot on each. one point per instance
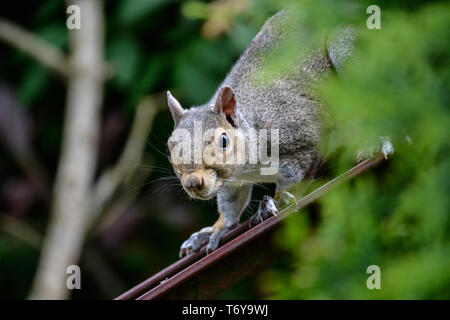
(287, 103)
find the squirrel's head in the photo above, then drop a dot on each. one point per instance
(204, 145)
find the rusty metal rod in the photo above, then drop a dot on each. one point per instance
(177, 266)
(187, 267)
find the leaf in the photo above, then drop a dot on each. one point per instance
(124, 54)
(133, 11)
(34, 83)
(55, 33)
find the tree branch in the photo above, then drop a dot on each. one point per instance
(129, 160)
(42, 51)
(21, 230)
(72, 189)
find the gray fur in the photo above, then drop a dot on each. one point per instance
(288, 103)
(340, 46)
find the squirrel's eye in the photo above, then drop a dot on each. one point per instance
(224, 141)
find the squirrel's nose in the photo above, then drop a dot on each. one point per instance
(194, 183)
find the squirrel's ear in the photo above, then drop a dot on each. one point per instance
(226, 105)
(175, 108)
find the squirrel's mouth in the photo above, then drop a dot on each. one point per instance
(204, 187)
(201, 195)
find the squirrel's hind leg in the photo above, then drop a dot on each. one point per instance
(267, 208)
(290, 171)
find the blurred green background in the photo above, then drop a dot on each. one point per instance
(396, 217)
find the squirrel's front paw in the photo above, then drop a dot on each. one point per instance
(214, 238)
(213, 242)
(195, 241)
(267, 208)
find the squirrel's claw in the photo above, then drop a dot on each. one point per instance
(195, 241)
(286, 198)
(214, 238)
(267, 208)
(385, 147)
(213, 243)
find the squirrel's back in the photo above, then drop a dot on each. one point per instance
(285, 101)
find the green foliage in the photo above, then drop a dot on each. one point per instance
(396, 217)
(16, 267)
(124, 54)
(36, 78)
(34, 82)
(133, 11)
